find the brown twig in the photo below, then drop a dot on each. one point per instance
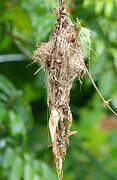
(20, 39)
(60, 3)
(106, 103)
(25, 51)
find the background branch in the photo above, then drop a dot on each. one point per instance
(12, 57)
(15, 37)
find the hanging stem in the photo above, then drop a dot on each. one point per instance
(106, 103)
(60, 3)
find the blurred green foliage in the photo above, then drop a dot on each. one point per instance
(24, 134)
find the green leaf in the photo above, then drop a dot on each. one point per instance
(23, 109)
(17, 169)
(108, 8)
(85, 40)
(3, 114)
(38, 169)
(107, 83)
(9, 95)
(79, 24)
(100, 46)
(45, 25)
(87, 3)
(36, 177)
(28, 172)
(8, 158)
(16, 124)
(114, 54)
(6, 42)
(99, 4)
(6, 86)
(90, 126)
(99, 65)
(31, 92)
(3, 97)
(21, 20)
(47, 172)
(52, 3)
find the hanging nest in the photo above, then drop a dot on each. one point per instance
(62, 60)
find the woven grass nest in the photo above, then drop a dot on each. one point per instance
(62, 60)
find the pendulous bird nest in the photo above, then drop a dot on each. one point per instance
(62, 60)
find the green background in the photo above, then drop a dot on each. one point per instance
(24, 132)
